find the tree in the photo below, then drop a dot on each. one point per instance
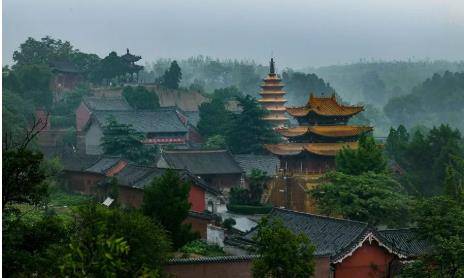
(123, 140)
(257, 183)
(140, 98)
(440, 221)
(172, 76)
(216, 142)
(114, 243)
(35, 84)
(23, 177)
(370, 197)
(368, 157)
(214, 118)
(228, 93)
(166, 200)
(248, 131)
(281, 253)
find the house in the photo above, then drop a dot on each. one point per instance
(351, 248)
(191, 119)
(90, 105)
(266, 163)
(162, 126)
(217, 167)
(66, 76)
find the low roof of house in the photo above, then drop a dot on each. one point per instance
(193, 117)
(202, 162)
(106, 103)
(339, 238)
(159, 121)
(103, 165)
(267, 163)
(138, 176)
(71, 161)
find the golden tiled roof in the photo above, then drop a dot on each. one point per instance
(328, 131)
(326, 106)
(324, 149)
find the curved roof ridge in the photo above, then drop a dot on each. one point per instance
(320, 216)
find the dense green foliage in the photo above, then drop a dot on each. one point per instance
(214, 118)
(123, 140)
(426, 157)
(440, 221)
(199, 247)
(141, 98)
(166, 200)
(281, 252)
(115, 242)
(248, 131)
(437, 100)
(367, 157)
(171, 77)
(215, 142)
(370, 197)
(252, 194)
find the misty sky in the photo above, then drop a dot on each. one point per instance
(300, 33)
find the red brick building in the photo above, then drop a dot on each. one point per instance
(352, 248)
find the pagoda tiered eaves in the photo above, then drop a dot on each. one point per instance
(323, 149)
(272, 98)
(328, 131)
(324, 106)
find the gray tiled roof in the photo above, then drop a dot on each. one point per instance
(329, 235)
(405, 241)
(267, 163)
(193, 117)
(218, 259)
(337, 238)
(106, 104)
(138, 176)
(160, 121)
(203, 162)
(103, 165)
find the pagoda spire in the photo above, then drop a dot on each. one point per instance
(272, 66)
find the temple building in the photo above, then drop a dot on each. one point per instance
(273, 98)
(322, 132)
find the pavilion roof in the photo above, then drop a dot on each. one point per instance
(328, 131)
(324, 149)
(325, 106)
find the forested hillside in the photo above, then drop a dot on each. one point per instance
(439, 99)
(377, 82)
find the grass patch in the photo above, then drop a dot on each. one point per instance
(199, 247)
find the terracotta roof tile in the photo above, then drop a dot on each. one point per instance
(328, 131)
(324, 149)
(325, 106)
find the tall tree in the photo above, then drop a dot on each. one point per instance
(171, 78)
(367, 157)
(374, 198)
(281, 253)
(166, 200)
(214, 118)
(440, 221)
(248, 131)
(115, 243)
(141, 98)
(123, 140)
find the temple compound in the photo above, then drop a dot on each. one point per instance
(310, 149)
(273, 98)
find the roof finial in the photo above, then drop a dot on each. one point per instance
(127, 50)
(272, 67)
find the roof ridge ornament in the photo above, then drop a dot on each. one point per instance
(272, 66)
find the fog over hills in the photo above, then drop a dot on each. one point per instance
(299, 33)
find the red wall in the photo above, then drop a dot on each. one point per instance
(197, 199)
(82, 116)
(370, 260)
